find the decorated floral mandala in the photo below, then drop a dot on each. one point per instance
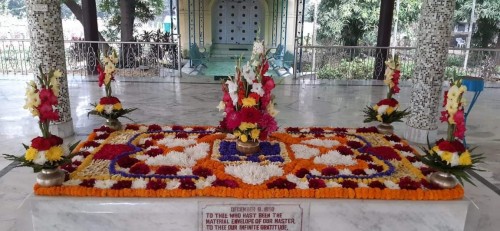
(176, 161)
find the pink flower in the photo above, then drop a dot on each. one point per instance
(267, 84)
(47, 96)
(459, 118)
(47, 113)
(233, 120)
(268, 123)
(444, 116)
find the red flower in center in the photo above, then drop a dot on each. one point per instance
(250, 115)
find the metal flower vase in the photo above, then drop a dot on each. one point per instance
(114, 124)
(386, 129)
(50, 177)
(247, 148)
(443, 179)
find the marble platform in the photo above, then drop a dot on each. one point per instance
(47, 214)
(302, 102)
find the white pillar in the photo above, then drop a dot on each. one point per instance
(433, 38)
(47, 50)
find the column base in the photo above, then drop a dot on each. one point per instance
(63, 130)
(420, 135)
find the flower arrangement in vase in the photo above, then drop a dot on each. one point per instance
(450, 156)
(386, 110)
(45, 153)
(109, 107)
(248, 104)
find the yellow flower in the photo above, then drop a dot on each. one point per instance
(435, 149)
(254, 134)
(237, 133)
(107, 78)
(453, 93)
(30, 154)
(244, 126)
(54, 153)
(389, 110)
(379, 118)
(465, 158)
(446, 156)
(99, 108)
(244, 138)
(249, 102)
(117, 106)
(375, 107)
(271, 110)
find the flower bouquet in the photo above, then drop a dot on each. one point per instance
(45, 152)
(450, 155)
(248, 103)
(109, 107)
(386, 110)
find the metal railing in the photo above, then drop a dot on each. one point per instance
(136, 59)
(342, 62)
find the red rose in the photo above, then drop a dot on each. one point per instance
(329, 171)
(41, 144)
(349, 184)
(458, 146)
(255, 96)
(302, 173)
(446, 146)
(48, 96)
(109, 100)
(317, 183)
(55, 140)
(390, 102)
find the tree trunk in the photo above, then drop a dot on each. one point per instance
(89, 21)
(127, 11)
(127, 15)
(76, 9)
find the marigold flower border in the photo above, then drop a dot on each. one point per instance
(247, 193)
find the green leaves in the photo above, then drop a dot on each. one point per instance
(396, 116)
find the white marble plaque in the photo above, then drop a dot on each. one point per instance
(217, 216)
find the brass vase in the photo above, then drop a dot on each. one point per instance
(443, 179)
(50, 177)
(247, 148)
(114, 124)
(386, 129)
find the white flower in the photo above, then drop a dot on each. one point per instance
(345, 172)
(304, 130)
(221, 106)
(382, 109)
(142, 157)
(271, 110)
(88, 149)
(139, 183)
(407, 154)
(454, 159)
(370, 171)
(188, 129)
(391, 185)
(173, 184)
(333, 184)
(108, 108)
(40, 158)
(73, 182)
(185, 172)
(362, 185)
(254, 173)
(188, 158)
(77, 158)
(248, 73)
(304, 152)
(174, 142)
(418, 164)
(204, 182)
(334, 158)
(321, 143)
(257, 88)
(301, 183)
(104, 184)
(232, 89)
(54, 82)
(143, 140)
(315, 172)
(258, 48)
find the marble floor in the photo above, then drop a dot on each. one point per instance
(191, 101)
